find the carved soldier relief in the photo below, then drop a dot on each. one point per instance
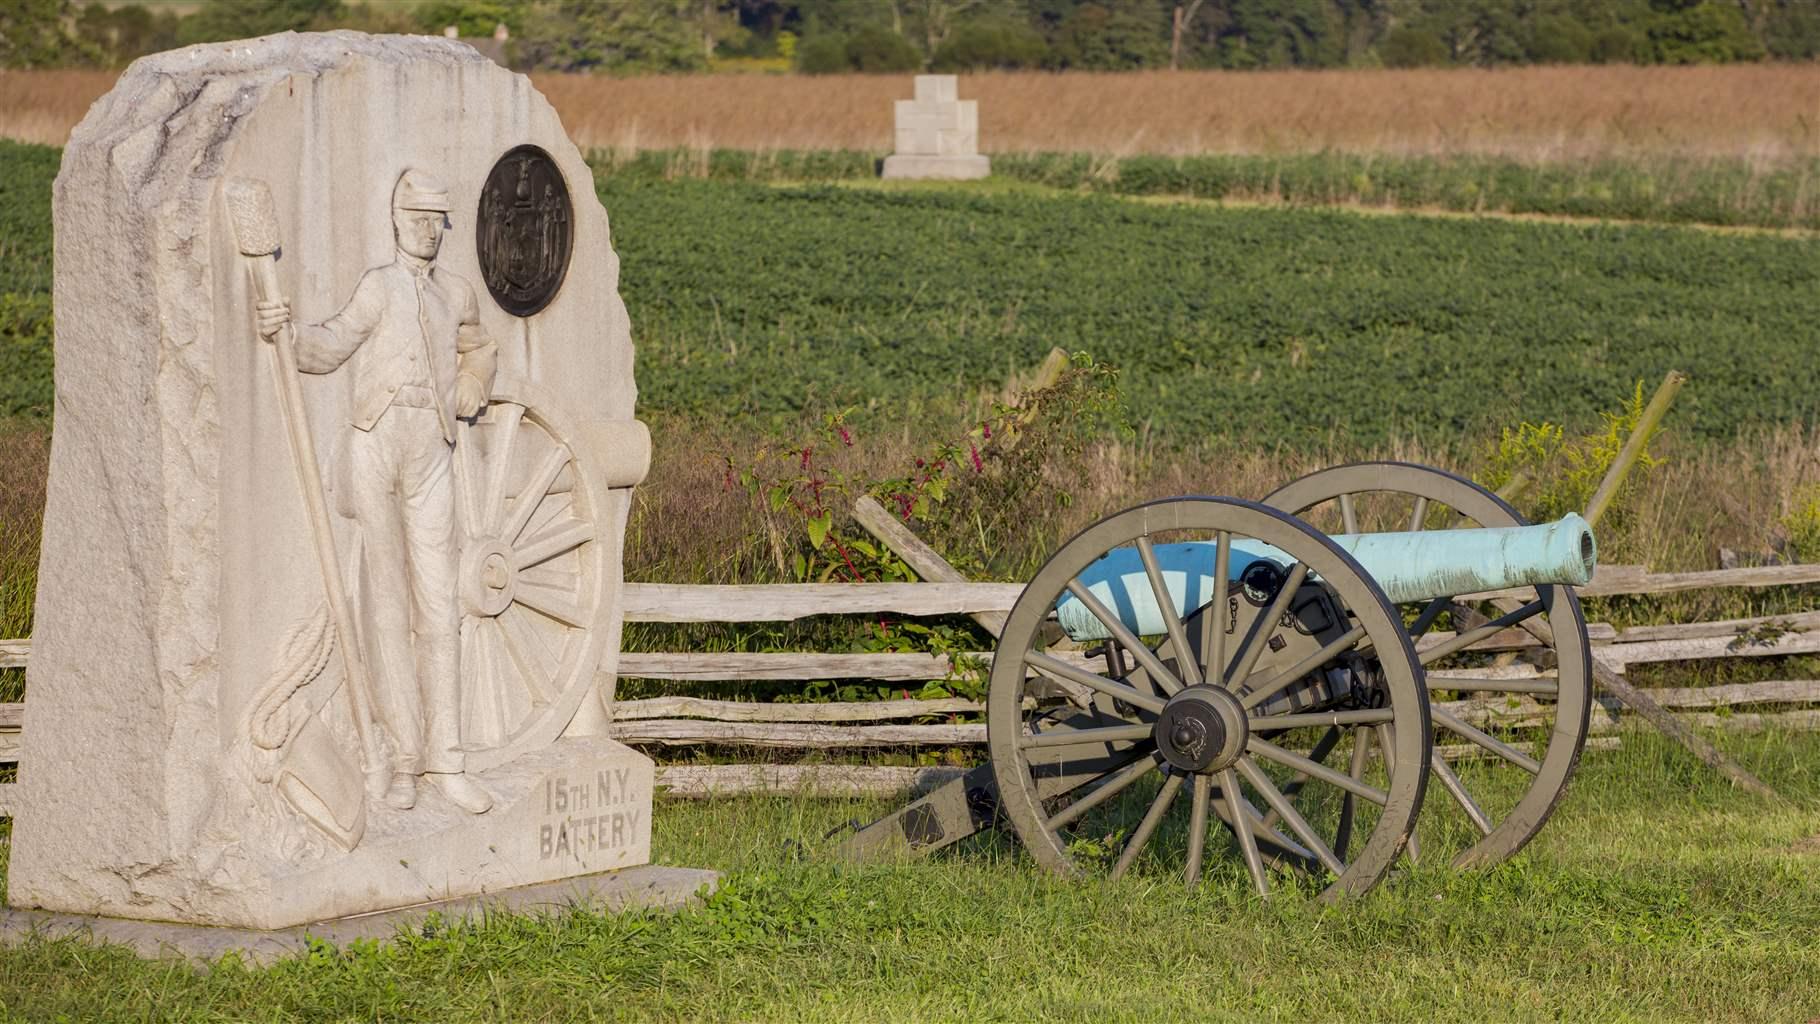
(376, 606)
(525, 230)
(472, 582)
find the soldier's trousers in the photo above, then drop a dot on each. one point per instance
(400, 477)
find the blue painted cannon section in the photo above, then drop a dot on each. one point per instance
(1406, 566)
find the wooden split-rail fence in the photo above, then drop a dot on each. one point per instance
(678, 721)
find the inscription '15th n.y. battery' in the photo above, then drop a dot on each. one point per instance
(577, 833)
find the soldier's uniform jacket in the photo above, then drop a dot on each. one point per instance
(411, 328)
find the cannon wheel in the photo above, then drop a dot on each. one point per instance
(1059, 828)
(534, 573)
(1371, 496)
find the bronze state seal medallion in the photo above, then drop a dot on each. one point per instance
(525, 230)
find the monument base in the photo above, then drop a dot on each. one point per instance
(639, 888)
(949, 168)
(580, 806)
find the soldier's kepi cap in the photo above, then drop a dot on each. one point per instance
(417, 190)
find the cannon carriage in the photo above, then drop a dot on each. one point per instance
(1268, 689)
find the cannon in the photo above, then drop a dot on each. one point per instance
(1283, 678)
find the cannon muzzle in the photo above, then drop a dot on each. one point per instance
(1417, 566)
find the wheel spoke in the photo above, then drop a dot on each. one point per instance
(1056, 668)
(1464, 640)
(1172, 623)
(1387, 743)
(1421, 513)
(500, 663)
(1213, 620)
(1107, 790)
(1361, 751)
(1322, 748)
(1447, 720)
(553, 542)
(1429, 614)
(1068, 737)
(532, 656)
(468, 459)
(1349, 514)
(1293, 818)
(1127, 639)
(555, 579)
(1240, 824)
(1197, 825)
(1315, 769)
(1266, 835)
(1451, 782)
(1147, 827)
(554, 603)
(469, 653)
(505, 438)
(1265, 628)
(533, 492)
(552, 509)
(1278, 682)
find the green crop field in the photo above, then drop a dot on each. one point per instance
(1272, 325)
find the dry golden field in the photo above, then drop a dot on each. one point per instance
(1766, 113)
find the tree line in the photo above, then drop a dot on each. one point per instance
(824, 36)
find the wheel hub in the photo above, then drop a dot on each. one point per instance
(487, 578)
(1202, 729)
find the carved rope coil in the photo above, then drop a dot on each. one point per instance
(302, 655)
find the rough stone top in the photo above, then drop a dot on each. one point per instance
(292, 52)
(153, 88)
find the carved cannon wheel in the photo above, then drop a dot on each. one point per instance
(1260, 774)
(1376, 496)
(535, 573)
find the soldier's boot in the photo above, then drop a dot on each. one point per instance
(462, 791)
(402, 793)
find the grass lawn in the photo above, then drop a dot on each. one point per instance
(1655, 894)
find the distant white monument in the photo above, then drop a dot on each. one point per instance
(329, 608)
(938, 134)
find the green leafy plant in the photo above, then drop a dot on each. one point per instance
(991, 501)
(1565, 470)
(1802, 522)
(984, 498)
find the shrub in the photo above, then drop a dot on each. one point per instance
(1110, 35)
(470, 17)
(1617, 45)
(1561, 39)
(1706, 33)
(822, 54)
(991, 43)
(872, 48)
(1412, 48)
(877, 49)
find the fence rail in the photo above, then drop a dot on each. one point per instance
(682, 720)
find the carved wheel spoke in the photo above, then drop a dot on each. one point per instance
(536, 574)
(533, 493)
(499, 465)
(557, 540)
(529, 653)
